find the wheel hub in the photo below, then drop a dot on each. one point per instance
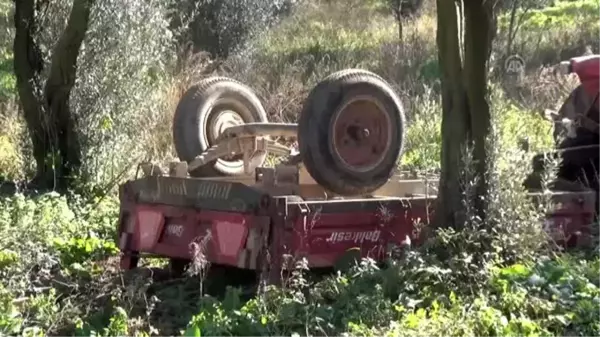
(223, 119)
(361, 134)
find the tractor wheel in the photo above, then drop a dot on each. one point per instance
(575, 104)
(351, 132)
(202, 114)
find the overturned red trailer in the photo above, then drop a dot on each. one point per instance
(337, 195)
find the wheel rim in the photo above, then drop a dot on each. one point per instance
(361, 133)
(225, 113)
(223, 119)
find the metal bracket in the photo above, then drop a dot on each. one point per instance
(247, 146)
(280, 175)
(149, 169)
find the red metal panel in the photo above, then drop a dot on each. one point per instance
(300, 230)
(324, 238)
(230, 231)
(149, 226)
(172, 231)
(587, 69)
(571, 217)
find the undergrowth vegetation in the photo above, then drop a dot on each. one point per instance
(59, 261)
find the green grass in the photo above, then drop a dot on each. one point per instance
(349, 26)
(543, 298)
(327, 37)
(513, 124)
(64, 280)
(563, 15)
(549, 35)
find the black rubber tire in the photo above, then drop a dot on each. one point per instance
(314, 131)
(575, 104)
(192, 114)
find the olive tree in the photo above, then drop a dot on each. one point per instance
(465, 30)
(114, 81)
(221, 27)
(517, 11)
(122, 91)
(45, 100)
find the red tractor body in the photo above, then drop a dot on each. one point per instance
(587, 69)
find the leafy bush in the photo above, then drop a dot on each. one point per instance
(372, 302)
(122, 77)
(222, 27)
(80, 250)
(7, 79)
(562, 294)
(38, 236)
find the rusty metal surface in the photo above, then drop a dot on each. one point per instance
(288, 130)
(361, 134)
(568, 220)
(248, 147)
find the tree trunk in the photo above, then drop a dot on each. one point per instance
(479, 33)
(455, 114)
(466, 114)
(398, 15)
(51, 125)
(511, 27)
(400, 31)
(28, 66)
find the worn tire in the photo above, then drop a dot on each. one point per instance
(319, 119)
(575, 104)
(197, 109)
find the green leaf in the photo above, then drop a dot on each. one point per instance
(192, 331)
(515, 271)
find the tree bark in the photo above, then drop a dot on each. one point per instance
(455, 119)
(400, 30)
(52, 126)
(465, 111)
(511, 27)
(479, 33)
(398, 15)
(28, 66)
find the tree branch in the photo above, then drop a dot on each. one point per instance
(64, 57)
